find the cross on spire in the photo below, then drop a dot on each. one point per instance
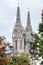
(28, 9)
(18, 2)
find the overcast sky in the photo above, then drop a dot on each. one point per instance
(8, 10)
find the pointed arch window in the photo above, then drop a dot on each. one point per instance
(20, 45)
(16, 44)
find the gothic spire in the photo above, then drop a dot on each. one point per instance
(28, 27)
(18, 15)
(18, 20)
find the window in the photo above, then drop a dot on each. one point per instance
(16, 44)
(18, 34)
(20, 44)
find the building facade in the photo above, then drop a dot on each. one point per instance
(21, 37)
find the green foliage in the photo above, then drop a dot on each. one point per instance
(41, 39)
(38, 39)
(41, 62)
(33, 45)
(23, 59)
(40, 27)
(41, 47)
(3, 61)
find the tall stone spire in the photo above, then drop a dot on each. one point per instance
(17, 36)
(28, 31)
(18, 20)
(28, 27)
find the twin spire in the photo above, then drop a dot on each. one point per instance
(18, 20)
(28, 27)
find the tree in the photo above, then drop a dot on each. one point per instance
(37, 45)
(23, 59)
(41, 63)
(34, 46)
(41, 36)
(3, 59)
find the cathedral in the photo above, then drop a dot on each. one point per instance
(20, 36)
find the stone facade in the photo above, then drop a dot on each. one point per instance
(21, 37)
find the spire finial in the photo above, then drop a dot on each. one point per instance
(18, 3)
(28, 9)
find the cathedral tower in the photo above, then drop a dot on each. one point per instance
(18, 39)
(28, 31)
